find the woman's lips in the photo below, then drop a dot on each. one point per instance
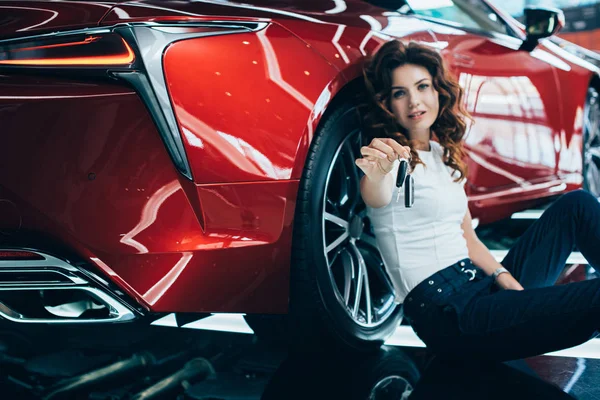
(417, 117)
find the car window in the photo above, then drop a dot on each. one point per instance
(474, 14)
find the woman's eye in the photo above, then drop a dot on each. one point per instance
(398, 93)
(423, 86)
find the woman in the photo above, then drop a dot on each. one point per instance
(458, 298)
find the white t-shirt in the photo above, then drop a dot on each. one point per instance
(419, 241)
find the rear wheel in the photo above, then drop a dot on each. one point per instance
(591, 143)
(339, 289)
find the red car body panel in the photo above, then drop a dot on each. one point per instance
(31, 17)
(121, 203)
(91, 170)
(274, 84)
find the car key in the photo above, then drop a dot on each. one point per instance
(402, 170)
(409, 191)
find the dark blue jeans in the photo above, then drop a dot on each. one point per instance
(459, 313)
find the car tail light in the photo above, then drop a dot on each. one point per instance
(81, 50)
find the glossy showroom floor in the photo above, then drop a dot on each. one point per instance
(218, 357)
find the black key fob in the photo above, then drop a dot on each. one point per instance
(402, 169)
(409, 191)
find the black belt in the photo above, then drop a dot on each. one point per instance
(450, 278)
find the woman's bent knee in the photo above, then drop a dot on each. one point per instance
(581, 203)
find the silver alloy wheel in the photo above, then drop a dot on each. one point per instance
(591, 146)
(356, 269)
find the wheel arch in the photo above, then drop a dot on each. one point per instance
(351, 91)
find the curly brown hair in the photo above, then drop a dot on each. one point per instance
(450, 125)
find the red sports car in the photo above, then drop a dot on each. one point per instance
(198, 156)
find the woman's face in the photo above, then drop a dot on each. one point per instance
(414, 101)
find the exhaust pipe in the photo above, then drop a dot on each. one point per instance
(38, 288)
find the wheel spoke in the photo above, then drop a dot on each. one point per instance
(594, 154)
(363, 280)
(589, 126)
(348, 263)
(369, 240)
(333, 205)
(592, 177)
(335, 256)
(369, 243)
(344, 178)
(358, 294)
(352, 179)
(337, 242)
(336, 220)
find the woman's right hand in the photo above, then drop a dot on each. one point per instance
(378, 157)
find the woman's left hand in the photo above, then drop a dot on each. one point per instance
(508, 282)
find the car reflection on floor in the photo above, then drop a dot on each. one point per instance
(392, 374)
(168, 363)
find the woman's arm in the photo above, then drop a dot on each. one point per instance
(377, 193)
(483, 258)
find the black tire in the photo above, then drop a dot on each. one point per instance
(591, 143)
(320, 312)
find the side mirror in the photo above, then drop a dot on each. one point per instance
(541, 23)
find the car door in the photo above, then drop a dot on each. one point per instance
(513, 96)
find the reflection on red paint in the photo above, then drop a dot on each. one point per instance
(149, 214)
(159, 289)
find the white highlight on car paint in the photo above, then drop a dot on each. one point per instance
(275, 72)
(575, 257)
(578, 372)
(335, 41)
(222, 322)
(270, 10)
(340, 6)
(525, 187)
(405, 336)
(149, 214)
(529, 214)
(549, 58)
(192, 139)
(494, 168)
(589, 349)
(429, 5)
(121, 13)
(561, 187)
(54, 15)
(572, 58)
(253, 160)
(373, 23)
(167, 320)
(376, 29)
(159, 289)
(103, 265)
